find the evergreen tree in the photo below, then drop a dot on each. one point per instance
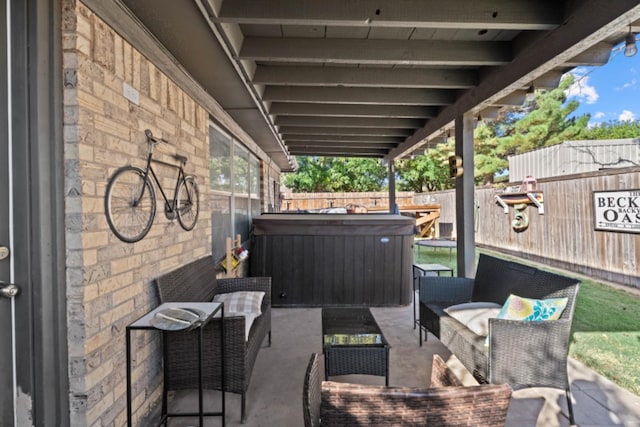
(540, 123)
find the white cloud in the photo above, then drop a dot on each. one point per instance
(633, 83)
(599, 115)
(581, 89)
(626, 116)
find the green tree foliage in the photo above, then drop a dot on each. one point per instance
(488, 159)
(542, 122)
(333, 174)
(614, 130)
(312, 175)
(427, 172)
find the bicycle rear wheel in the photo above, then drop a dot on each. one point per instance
(130, 204)
(188, 203)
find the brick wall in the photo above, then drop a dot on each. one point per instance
(109, 282)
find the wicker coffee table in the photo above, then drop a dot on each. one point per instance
(353, 343)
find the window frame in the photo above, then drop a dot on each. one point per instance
(239, 199)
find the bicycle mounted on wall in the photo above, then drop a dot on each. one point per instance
(130, 200)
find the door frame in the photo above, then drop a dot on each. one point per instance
(7, 306)
(42, 364)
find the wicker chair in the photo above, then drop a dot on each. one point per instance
(446, 403)
(197, 281)
(521, 354)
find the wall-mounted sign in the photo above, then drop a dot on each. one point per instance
(617, 210)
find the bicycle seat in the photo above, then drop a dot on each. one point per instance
(181, 159)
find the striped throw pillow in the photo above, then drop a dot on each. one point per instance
(241, 301)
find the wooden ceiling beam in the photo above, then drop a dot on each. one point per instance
(348, 122)
(436, 78)
(337, 152)
(352, 110)
(348, 139)
(373, 145)
(372, 96)
(595, 56)
(514, 99)
(549, 81)
(478, 14)
(283, 130)
(376, 52)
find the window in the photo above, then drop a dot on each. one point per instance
(220, 177)
(254, 186)
(235, 189)
(241, 179)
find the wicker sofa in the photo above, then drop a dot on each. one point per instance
(445, 403)
(532, 353)
(197, 281)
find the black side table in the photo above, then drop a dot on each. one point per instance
(420, 270)
(146, 322)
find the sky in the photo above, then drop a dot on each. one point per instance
(609, 92)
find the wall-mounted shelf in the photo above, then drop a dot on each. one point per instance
(530, 197)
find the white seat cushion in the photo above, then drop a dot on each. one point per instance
(249, 318)
(475, 315)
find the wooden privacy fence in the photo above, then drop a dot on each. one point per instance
(312, 201)
(427, 215)
(564, 236)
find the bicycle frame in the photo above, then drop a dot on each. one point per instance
(170, 206)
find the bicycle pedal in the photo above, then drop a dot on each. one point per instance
(170, 213)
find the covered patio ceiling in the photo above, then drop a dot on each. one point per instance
(375, 78)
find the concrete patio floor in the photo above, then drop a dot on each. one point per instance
(275, 393)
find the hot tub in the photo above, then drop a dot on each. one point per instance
(318, 260)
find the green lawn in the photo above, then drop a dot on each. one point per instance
(605, 331)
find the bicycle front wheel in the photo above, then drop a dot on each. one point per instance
(188, 203)
(130, 204)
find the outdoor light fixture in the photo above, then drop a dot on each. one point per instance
(630, 47)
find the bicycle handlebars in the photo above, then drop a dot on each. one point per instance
(153, 139)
